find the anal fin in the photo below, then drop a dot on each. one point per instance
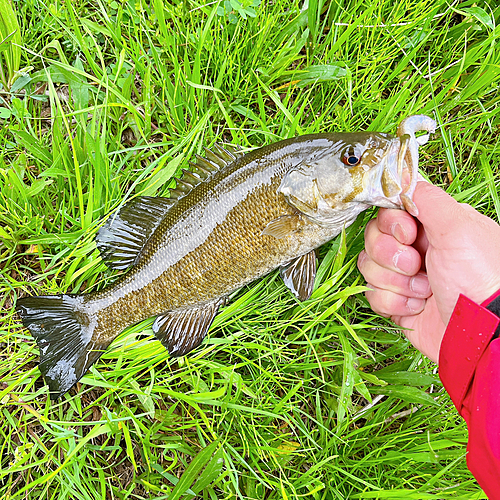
(180, 331)
(298, 275)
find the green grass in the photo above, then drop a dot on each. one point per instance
(321, 400)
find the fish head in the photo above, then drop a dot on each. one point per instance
(359, 170)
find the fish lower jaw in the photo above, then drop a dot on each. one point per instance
(384, 202)
(333, 220)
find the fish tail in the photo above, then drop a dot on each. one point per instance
(63, 331)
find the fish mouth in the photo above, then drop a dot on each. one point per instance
(408, 153)
(392, 184)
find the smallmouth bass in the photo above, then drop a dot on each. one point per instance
(232, 219)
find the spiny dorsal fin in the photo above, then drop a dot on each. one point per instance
(204, 164)
(192, 177)
(182, 330)
(234, 150)
(218, 157)
(298, 275)
(122, 238)
(203, 168)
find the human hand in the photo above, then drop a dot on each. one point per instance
(417, 270)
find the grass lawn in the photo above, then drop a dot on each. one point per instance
(103, 100)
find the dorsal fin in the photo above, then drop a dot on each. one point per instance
(124, 234)
(184, 185)
(233, 149)
(216, 158)
(192, 177)
(205, 164)
(222, 155)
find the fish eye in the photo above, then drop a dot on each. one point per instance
(350, 159)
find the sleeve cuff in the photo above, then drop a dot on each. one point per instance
(470, 330)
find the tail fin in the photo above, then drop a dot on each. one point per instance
(64, 335)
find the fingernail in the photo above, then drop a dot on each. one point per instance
(414, 305)
(398, 231)
(362, 258)
(403, 261)
(420, 285)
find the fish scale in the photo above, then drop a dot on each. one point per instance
(232, 220)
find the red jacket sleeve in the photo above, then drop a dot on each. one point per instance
(469, 367)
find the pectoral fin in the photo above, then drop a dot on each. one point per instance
(182, 330)
(284, 226)
(299, 274)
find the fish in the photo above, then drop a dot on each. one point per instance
(231, 219)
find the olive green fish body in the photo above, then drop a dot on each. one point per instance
(212, 243)
(234, 219)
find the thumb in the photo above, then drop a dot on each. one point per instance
(437, 211)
